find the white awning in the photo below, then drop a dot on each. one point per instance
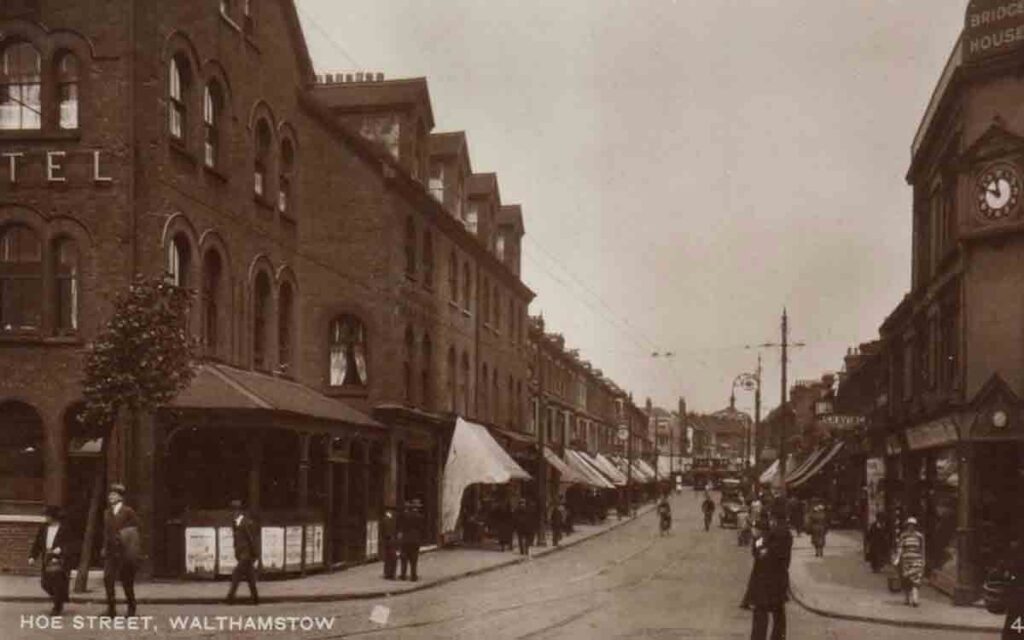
(646, 468)
(473, 458)
(566, 473)
(819, 465)
(596, 466)
(610, 470)
(594, 478)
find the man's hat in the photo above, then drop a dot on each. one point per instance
(117, 488)
(911, 520)
(54, 511)
(236, 504)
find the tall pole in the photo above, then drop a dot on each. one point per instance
(542, 441)
(629, 460)
(783, 414)
(757, 414)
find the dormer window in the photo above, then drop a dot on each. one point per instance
(499, 247)
(436, 183)
(20, 88)
(472, 219)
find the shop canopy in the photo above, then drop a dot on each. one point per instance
(771, 474)
(646, 468)
(596, 466)
(580, 465)
(474, 457)
(793, 474)
(819, 465)
(566, 473)
(609, 469)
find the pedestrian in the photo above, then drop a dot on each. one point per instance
(243, 531)
(797, 514)
(664, 516)
(557, 523)
(53, 546)
(410, 529)
(121, 548)
(877, 542)
(768, 586)
(818, 528)
(505, 527)
(910, 560)
(389, 542)
(525, 523)
(708, 507)
(755, 509)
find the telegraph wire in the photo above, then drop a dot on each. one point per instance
(337, 45)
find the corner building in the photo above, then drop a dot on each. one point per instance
(337, 299)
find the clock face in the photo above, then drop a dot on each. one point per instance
(998, 192)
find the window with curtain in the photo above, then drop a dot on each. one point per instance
(67, 90)
(262, 160)
(284, 191)
(347, 344)
(177, 95)
(65, 258)
(20, 87)
(178, 261)
(22, 469)
(212, 112)
(21, 279)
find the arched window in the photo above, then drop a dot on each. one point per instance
(213, 108)
(410, 247)
(20, 87)
(67, 90)
(347, 343)
(410, 345)
(482, 386)
(464, 391)
(21, 453)
(260, 317)
(177, 95)
(212, 288)
(65, 259)
(428, 258)
(21, 279)
(467, 287)
(453, 278)
(262, 162)
(285, 315)
(178, 261)
(426, 392)
(452, 372)
(284, 191)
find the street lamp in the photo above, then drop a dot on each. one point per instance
(749, 382)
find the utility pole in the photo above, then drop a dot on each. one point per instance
(757, 415)
(783, 415)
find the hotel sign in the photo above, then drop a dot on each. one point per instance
(992, 27)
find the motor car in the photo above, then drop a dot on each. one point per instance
(732, 505)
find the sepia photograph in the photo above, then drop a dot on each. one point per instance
(512, 319)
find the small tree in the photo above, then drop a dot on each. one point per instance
(141, 360)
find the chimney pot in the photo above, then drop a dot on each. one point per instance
(380, 77)
(348, 77)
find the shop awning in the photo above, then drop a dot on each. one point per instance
(219, 387)
(595, 465)
(647, 468)
(808, 462)
(610, 470)
(819, 465)
(769, 474)
(566, 473)
(580, 465)
(474, 457)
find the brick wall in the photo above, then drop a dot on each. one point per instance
(15, 544)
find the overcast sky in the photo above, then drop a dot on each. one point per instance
(686, 168)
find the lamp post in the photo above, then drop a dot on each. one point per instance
(747, 382)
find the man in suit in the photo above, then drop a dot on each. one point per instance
(121, 548)
(243, 530)
(53, 546)
(410, 527)
(526, 526)
(769, 579)
(389, 542)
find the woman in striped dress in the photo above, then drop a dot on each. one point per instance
(910, 560)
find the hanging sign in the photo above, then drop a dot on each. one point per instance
(992, 27)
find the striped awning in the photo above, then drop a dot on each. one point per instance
(818, 465)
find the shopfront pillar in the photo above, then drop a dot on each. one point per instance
(331, 514)
(965, 590)
(255, 464)
(304, 441)
(393, 468)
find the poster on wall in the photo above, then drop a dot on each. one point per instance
(200, 550)
(875, 482)
(371, 538)
(314, 549)
(272, 548)
(293, 548)
(225, 551)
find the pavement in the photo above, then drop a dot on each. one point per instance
(842, 585)
(436, 567)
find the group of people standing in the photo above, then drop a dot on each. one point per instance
(902, 544)
(401, 537)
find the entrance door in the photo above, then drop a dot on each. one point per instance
(999, 500)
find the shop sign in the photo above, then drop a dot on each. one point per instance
(841, 420)
(293, 548)
(200, 550)
(933, 434)
(225, 550)
(992, 27)
(54, 165)
(314, 551)
(272, 548)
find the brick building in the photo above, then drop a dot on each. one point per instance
(338, 275)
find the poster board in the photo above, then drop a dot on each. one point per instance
(314, 549)
(293, 548)
(225, 551)
(272, 548)
(200, 550)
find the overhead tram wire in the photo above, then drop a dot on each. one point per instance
(337, 45)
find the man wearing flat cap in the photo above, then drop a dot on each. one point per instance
(410, 530)
(121, 549)
(246, 552)
(54, 546)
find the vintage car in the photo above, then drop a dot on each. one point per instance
(732, 507)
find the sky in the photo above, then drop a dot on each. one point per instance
(687, 169)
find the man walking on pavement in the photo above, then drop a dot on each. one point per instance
(526, 522)
(767, 590)
(243, 530)
(120, 549)
(53, 546)
(410, 527)
(389, 541)
(708, 507)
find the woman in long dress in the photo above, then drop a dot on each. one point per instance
(910, 560)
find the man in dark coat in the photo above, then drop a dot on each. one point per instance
(410, 527)
(708, 507)
(877, 543)
(389, 542)
(246, 552)
(121, 548)
(54, 547)
(526, 526)
(503, 525)
(769, 581)
(557, 523)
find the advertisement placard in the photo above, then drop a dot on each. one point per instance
(225, 550)
(314, 549)
(272, 548)
(293, 547)
(200, 550)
